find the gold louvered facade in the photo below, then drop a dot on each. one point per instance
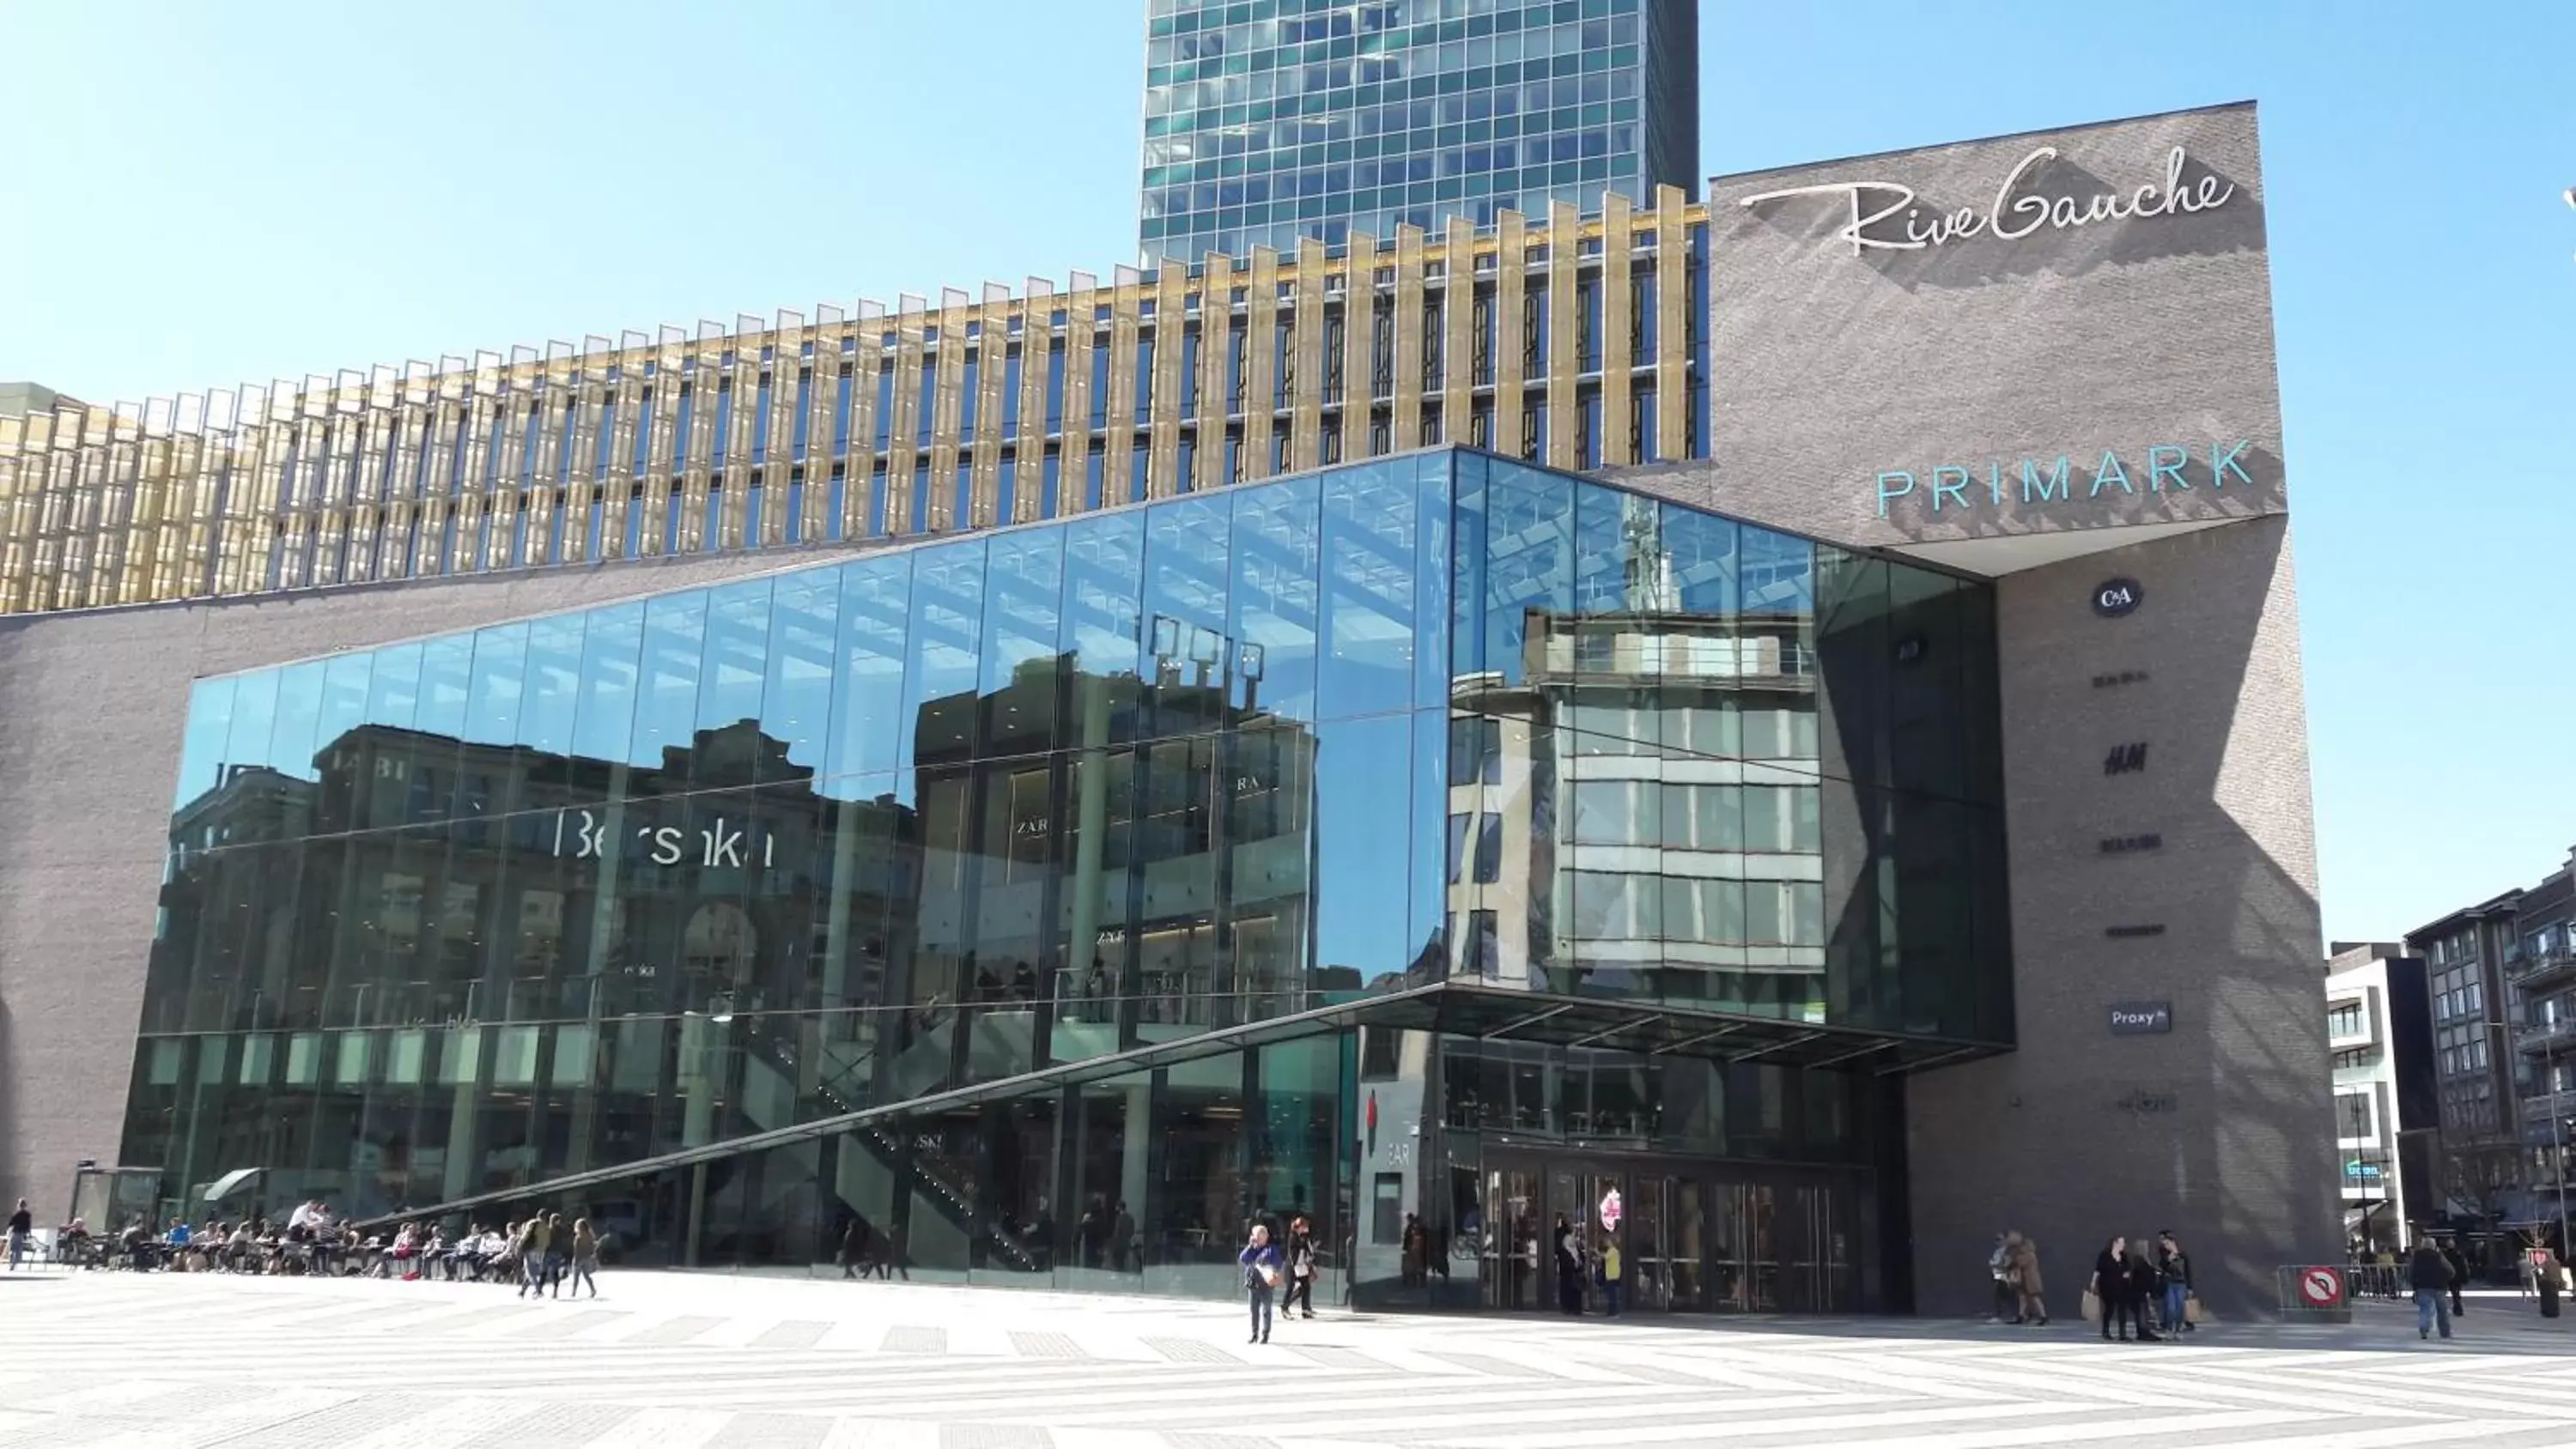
(1571, 342)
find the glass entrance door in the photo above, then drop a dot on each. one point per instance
(1744, 1248)
(1783, 1243)
(1819, 1241)
(1512, 1255)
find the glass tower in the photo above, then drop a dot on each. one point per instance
(1271, 120)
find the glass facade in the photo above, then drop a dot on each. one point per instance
(1273, 120)
(1056, 898)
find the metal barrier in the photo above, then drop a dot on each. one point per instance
(2316, 1292)
(2376, 1280)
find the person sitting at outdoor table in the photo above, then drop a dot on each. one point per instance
(406, 1248)
(471, 1253)
(136, 1244)
(451, 1256)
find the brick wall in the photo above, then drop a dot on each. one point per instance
(91, 709)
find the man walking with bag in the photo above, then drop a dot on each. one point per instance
(1260, 1264)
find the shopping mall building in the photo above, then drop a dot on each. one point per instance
(1770, 726)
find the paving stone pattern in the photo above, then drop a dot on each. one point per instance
(129, 1361)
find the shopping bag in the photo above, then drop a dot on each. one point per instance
(2092, 1306)
(2191, 1310)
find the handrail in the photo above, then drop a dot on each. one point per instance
(1207, 1043)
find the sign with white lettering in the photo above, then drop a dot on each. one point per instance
(2160, 468)
(2115, 597)
(582, 835)
(1884, 216)
(2141, 1018)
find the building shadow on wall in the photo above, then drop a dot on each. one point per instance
(11, 1132)
(2221, 1131)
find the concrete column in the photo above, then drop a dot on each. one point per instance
(463, 1140)
(1092, 823)
(1134, 1165)
(840, 1024)
(697, 1119)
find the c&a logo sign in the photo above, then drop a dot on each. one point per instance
(2116, 598)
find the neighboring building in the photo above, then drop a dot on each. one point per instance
(650, 778)
(1275, 122)
(2540, 972)
(2483, 1171)
(2503, 1010)
(2379, 1026)
(19, 399)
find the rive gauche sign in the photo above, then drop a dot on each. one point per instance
(1885, 216)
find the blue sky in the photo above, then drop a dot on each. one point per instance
(262, 189)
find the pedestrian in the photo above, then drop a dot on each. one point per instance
(1610, 1284)
(1569, 1269)
(1301, 1269)
(22, 1226)
(558, 1253)
(2028, 1288)
(1259, 1262)
(2430, 1275)
(1122, 1239)
(1415, 1245)
(2175, 1265)
(2146, 1294)
(585, 1257)
(854, 1247)
(2007, 1303)
(533, 1241)
(2459, 1276)
(1091, 1232)
(2110, 1286)
(2549, 1278)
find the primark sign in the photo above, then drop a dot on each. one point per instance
(1999, 483)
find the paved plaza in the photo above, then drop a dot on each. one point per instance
(676, 1361)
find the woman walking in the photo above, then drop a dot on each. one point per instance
(585, 1257)
(1301, 1269)
(2146, 1290)
(2027, 1287)
(2110, 1287)
(1260, 1264)
(2175, 1265)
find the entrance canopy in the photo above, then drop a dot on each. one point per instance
(1465, 1008)
(1659, 1029)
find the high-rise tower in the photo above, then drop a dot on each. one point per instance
(1271, 120)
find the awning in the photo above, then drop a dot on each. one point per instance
(232, 1182)
(1467, 1008)
(1500, 1013)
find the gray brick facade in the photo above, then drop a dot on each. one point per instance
(91, 709)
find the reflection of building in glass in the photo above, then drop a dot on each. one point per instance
(1053, 900)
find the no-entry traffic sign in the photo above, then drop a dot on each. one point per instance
(2321, 1287)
